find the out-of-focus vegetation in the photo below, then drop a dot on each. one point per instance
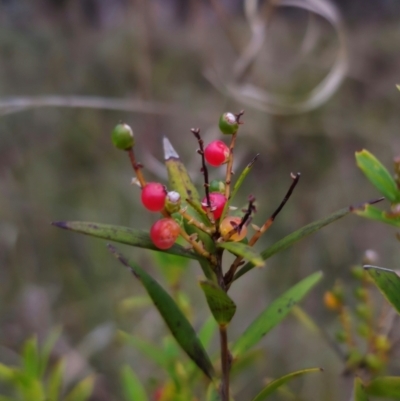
(58, 163)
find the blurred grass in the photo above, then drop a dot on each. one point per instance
(58, 163)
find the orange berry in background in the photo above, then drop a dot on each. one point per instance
(331, 301)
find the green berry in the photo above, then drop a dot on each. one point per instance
(373, 362)
(217, 186)
(358, 272)
(363, 330)
(360, 293)
(122, 137)
(363, 311)
(341, 336)
(228, 124)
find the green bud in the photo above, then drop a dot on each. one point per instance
(354, 359)
(228, 124)
(173, 202)
(341, 336)
(358, 272)
(363, 330)
(360, 293)
(363, 311)
(374, 363)
(122, 137)
(382, 343)
(217, 186)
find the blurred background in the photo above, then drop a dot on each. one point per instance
(317, 82)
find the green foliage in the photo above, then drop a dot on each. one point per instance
(359, 390)
(373, 213)
(221, 305)
(384, 387)
(271, 387)
(274, 314)
(243, 250)
(173, 317)
(131, 385)
(36, 380)
(388, 282)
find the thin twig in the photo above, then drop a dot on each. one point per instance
(230, 158)
(232, 270)
(204, 170)
(192, 221)
(137, 167)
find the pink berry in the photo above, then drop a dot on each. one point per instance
(216, 153)
(153, 196)
(217, 201)
(164, 233)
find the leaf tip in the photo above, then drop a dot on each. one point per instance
(169, 151)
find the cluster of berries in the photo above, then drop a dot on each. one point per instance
(156, 198)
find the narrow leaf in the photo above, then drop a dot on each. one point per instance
(30, 358)
(213, 393)
(147, 348)
(388, 282)
(359, 390)
(131, 385)
(124, 235)
(47, 348)
(373, 213)
(207, 332)
(378, 175)
(54, 383)
(6, 373)
(275, 384)
(292, 238)
(172, 315)
(221, 305)
(240, 249)
(82, 391)
(384, 387)
(274, 314)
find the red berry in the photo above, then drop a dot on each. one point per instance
(164, 233)
(217, 201)
(153, 196)
(216, 153)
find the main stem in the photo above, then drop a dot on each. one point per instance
(225, 363)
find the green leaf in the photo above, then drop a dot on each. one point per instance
(47, 348)
(4, 398)
(82, 391)
(275, 384)
(388, 282)
(150, 350)
(247, 252)
(131, 386)
(384, 387)
(373, 213)
(6, 373)
(207, 332)
(378, 175)
(55, 381)
(359, 390)
(212, 393)
(131, 303)
(124, 235)
(292, 238)
(221, 305)
(172, 266)
(30, 358)
(180, 328)
(274, 314)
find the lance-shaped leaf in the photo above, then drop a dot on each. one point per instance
(55, 381)
(82, 391)
(275, 384)
(131, 386)
(292, 238)
(147, 348)
(180, 328)
(378, 175)
(274, 314)
(243, 250)
(388, 282)
(123, 235)
(359, 390)
(222, 307)
(373, 213)
(384, 387)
